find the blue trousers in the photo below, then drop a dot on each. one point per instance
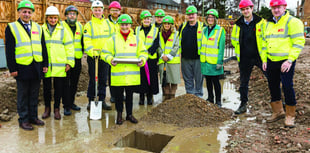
(275, 76)
(191, 71)
(27, 99)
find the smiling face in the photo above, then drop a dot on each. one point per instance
(72, 16)
(25, 14)
(146, 21)
(159, 19)
(192, 17)
(52, 19)
(97, 12)
(247, 11)
(167, 26)
(277, 11)
(125, 27)
(211, 20)
(115, 12)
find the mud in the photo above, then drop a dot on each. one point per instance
(188, 111)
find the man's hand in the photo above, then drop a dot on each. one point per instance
(67, 67)
(264, 66)
(14, 74)
(45, 69)
(140, 63)
(286, 66)
(113, 62)
(165, 58)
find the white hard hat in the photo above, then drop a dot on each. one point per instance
(52, 10)
(97, 3)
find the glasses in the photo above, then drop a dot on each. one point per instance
(115, 11)
(72, 13)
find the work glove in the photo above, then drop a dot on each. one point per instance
(218, 66)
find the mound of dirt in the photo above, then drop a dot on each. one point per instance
(188, 111)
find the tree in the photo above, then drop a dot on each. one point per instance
(265, 12)
(219, 5)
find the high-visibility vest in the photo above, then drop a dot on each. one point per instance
(96, 33)
(210, 47)
(77, 38)
(114, 27)
(27, 48)
(149, 39)
(283, 40)
(124, 74)
(167, 48)
(235, 34)
(199, 35)
(60, 50)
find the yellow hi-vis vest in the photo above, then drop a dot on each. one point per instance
(210, 47)
(60, 50)
(199, 35)
(235, 34)
(167, 48)
(283, 40)
(149, 39)
(114, 27)
(27, 49)
(96, 33)
(77, 38)
(124, 74)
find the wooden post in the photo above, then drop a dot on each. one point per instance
(14, 12)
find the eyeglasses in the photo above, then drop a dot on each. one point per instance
(115, 11)
(72, 13)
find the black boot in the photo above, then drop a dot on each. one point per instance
(119, 118)
(105, 106)
(242, 108)
(67, 111)
(210, 100)
(141, 101)
(112, 99)
(150, 99)
(219, 104)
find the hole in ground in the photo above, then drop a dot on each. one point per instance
(142, 140)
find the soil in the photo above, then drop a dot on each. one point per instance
(258, 136)
(188, 111)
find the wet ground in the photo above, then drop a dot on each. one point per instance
(76, 133)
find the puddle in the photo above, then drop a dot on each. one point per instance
(145, 141)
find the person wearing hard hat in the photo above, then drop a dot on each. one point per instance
(190, 46)
(283, 42)
(96, 33)
(149, 73)
(27, 63)
(75, 28)
(115, 11)
(61, 58)
(169, 60)
(124, 77)
(212, 55)
(159, 15)
(246, 37)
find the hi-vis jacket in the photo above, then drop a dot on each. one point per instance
(96, 33)
(170, 47)
(77, 38)
(199, 35)
(236, 37)
(283, 40)
(124, 74)
(149, 39)
(26, 49)
(114, 25)
(60, 50)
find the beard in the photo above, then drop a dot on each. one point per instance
(71, 21)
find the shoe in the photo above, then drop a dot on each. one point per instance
(131, 119)
(57, 115)
(141, 100)
(37, 122)
(67, 112)
(209, 100)
(105, 106)
(88, 105)
(219, 104)
(75, 107)
(277, 112)
(150, 100)
(47, 113)
(290, 116)
(119, 118)
(112, 99)
(242, 108)
(26, 126)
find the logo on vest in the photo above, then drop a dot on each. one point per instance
(170, 39)
(259, 30)
(133, 45)
(77, 33)
(35, 32)
(280, 30)
(199, 31)
(149, 37)
(212, 39)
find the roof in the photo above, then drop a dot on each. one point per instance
(166, 2)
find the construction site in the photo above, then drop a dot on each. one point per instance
(184, 124)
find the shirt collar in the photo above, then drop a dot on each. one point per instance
(274, 18)
(246, 22)
(25, 22)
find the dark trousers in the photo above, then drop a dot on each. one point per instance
(73, 75)
(118, 94)
(246, 67)
(214, 81)
(27, 99)
(102, 78)
(275, 76)
(61, 91)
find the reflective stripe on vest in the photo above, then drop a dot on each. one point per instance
(210, 54)
(148, 44)
(99, 36)
(285, 35)
(176, 58)
(199, 35)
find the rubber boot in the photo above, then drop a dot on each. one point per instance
(47, 112)
(141, 100)
(149, 99)
(57, 115)
(242, 108)
(277, 112)
(290, 116)
(119, 118)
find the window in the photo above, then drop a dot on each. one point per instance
(164, 6)
(159, 6)
(155, 5)
(169, 7)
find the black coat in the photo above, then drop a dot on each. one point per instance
(25, 72)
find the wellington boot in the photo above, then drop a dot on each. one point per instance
(277, 112)
(290, 116)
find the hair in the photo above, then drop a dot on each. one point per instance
(51, 15)
(171, 27)
(215, 20)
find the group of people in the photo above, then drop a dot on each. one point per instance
(53, 52)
